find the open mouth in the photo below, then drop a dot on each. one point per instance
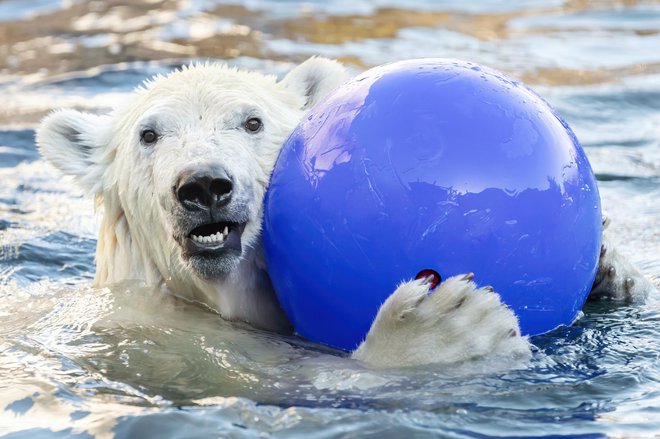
(215, 238)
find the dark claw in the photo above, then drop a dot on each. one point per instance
(611, 272)
(460, 303)
(489, 288)
(430, 277)
(606, 222)
(628, 284)
(468, 276)
(513, 333)
(603, 250)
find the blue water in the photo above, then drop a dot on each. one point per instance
(127, 361)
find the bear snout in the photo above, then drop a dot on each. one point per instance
(204, 189)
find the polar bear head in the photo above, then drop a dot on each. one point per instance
(182, 169)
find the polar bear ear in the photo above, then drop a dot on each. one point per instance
(75, 143)
(314, 79)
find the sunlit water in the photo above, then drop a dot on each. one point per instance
(130, 362)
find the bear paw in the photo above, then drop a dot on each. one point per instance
(617, 278)
(456, 322)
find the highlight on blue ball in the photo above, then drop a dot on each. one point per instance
(430, 164)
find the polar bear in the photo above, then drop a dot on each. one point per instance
(181, 171)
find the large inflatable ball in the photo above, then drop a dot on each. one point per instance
(430, 164)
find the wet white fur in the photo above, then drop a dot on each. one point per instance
(456, 322)
(199, 108)
(617, 278)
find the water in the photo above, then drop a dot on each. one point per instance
(129, 362)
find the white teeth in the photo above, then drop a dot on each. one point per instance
(217, 237)
(226, 231)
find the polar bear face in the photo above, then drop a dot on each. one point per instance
(206, 141)
(183, 167)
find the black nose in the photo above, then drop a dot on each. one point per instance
(204, 189)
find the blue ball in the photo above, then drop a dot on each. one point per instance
(430, 164)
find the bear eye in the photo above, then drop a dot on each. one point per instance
(148, 137)
(253, 125)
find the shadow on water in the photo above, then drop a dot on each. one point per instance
(17, 146)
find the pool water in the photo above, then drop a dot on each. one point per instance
(128, 361)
